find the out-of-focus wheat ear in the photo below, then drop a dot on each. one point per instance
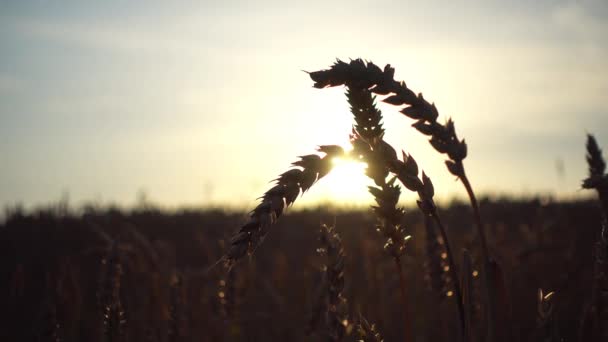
(330, 318)
(597, 179)
(367, 332)
(176, 307)
(46, 324)
(227, 293)
(547, 328)
(440, 280)
(288, 186)
(109, 299)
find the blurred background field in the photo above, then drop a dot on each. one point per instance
(53, 274)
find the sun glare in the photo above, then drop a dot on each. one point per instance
(347, 182)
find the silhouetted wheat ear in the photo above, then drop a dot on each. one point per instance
(367, 75)
(595, 321)
(597, 179)
(330, 312)
(227, 293)
(113, 315)
(369, 147)
(176, 306)
(289, 185)
(595, 160)
(359, 74)
(381, 158)
(46, 323)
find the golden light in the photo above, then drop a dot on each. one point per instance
(347, 183)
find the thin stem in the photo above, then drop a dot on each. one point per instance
(407, 323)
(453, 273)
(477, 215)
(603, 196)
(488, 269)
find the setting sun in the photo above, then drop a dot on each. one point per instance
(347, 182)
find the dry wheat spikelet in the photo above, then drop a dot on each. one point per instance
(289, 185)
(359, 74)
(597, 178)
(369, 147)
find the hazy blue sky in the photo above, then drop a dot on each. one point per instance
(205, 102)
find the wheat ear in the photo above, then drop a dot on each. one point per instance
(330, 308)
(289, 185)
(109, 293)
(368, 146)
(382, 159)
(598, 180)
(359, 74)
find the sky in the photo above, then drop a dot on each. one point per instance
(203, 103)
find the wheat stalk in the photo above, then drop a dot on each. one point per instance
(467, 294)
(439, 280)
(598, 180)
(359, 74)
(381, 159)
(176, 306)
(369, 147)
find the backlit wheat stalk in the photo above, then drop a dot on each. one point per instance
(598, 180)
(381, 159)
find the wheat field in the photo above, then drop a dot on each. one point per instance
(488, 269)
